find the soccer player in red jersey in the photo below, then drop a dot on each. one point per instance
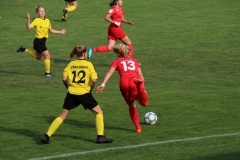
(131, 81)
(115, 16)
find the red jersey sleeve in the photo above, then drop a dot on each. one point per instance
(114, 64)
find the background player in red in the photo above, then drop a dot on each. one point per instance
(131, 81)
(115, 32)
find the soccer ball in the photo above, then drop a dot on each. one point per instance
(150, 118)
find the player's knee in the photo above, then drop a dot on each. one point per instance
(144, 104)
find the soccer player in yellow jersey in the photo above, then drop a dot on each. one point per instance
(42, 26)
(71, 5)
(76, 78)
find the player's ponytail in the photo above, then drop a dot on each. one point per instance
(78, 50)
(72, 53)
(113, 3)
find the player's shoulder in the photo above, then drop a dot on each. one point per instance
(118, 59)
(112, 9)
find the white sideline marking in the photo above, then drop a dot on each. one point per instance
(137, 146)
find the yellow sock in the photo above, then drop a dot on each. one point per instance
(47, 65)
(54, 126)
(31, 53)
(70, 9)
(65, 16)
(99, 124)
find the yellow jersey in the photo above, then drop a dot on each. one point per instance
(42, 27)
(79, 72)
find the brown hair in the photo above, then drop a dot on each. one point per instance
(122, 50)
(78, 50)
(37, 8)
(113, 3)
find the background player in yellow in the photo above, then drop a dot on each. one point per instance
(42, 26)
(71, 5)
(75, 78)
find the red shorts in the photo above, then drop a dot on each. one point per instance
(131, 91)
(115, 32)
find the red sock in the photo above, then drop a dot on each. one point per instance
(134, 116)
(101, 49)
(131, 49)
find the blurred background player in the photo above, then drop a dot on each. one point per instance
(131, 81)
(71, 5)
(75, 78)
(115, 32)
(42, 26)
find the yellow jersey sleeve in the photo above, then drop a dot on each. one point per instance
(79, 72)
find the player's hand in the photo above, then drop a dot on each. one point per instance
(100, 89)
(28, 16)
(64, 31)
(131, 23)
(117, 23)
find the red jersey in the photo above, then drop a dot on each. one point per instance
(116, 14)
(126, 67)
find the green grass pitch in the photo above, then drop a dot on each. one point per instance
(189, 52)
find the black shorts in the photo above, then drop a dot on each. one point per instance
(39, 45)
(72, 101)
(70, 0)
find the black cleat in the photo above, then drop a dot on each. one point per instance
(103, 139)
(63, 20)
(21, 49)
(48, 74)
(45, 139)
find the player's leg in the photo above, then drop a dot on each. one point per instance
(100, 49)
(128, 42)
(99, 119)
(54, 126)
(64, 16)
(28, 51)
(90, 103)
(47, 63)
(134, 116)
(142, 96)
(72, 7)
(107, 48)
(126, 90)
(142, 93)
(69, 103)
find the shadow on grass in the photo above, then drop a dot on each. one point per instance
(15, 72)
(84, 124)
(29, 133)
(226, 156)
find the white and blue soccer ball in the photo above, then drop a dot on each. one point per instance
(150, 118)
